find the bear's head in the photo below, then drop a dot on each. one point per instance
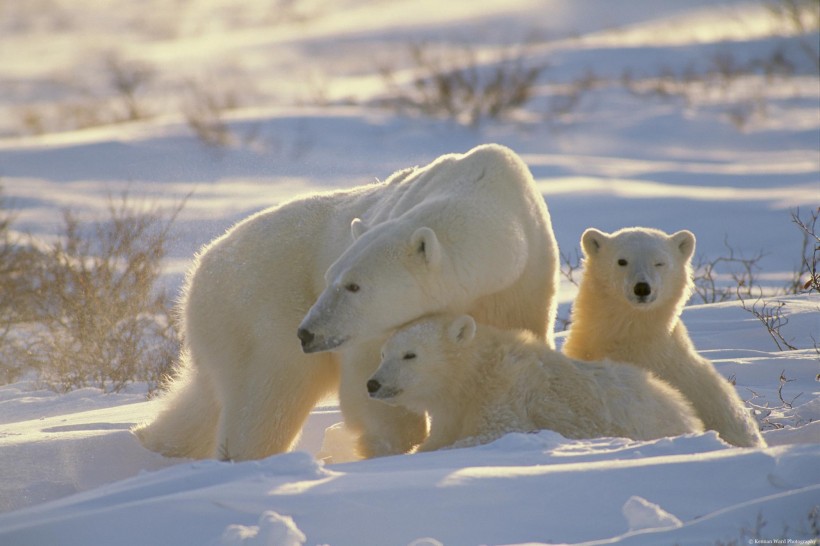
(420, 359)
(390, 275)
(645, 267)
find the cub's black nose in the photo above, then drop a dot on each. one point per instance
(373, 386)
(306, 336)
(642, 289)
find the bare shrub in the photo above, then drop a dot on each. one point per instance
(204, 109)
(122, 97)
(801, 17)
(741, 86)
(725, 277)
(127, 78)
(457, 85)
(16, 260)
(32, 120)
(97, 316)
(81, 113)
(770, 315)
(809, 254)
(769, 416)
(570, 265)
(205, 120)
(566, 99)
(10, 266)
(78, 112)
(734, 276)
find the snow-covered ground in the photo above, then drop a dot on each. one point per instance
(727, 157)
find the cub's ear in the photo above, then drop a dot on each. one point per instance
(684, 241)
(425, 242)
(592, 241)
(357, 227)
(462, 329)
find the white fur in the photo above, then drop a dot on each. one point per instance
(478, 383)
(467, 233)
(610, 320)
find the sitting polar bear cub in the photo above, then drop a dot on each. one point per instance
(478, 383)
(635, 284)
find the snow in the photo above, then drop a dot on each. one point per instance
(272, 530)
(641, 514)
(72, 474)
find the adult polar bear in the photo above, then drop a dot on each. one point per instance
(465, 234)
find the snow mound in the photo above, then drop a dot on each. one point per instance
(642, 514)
(426, 542)
(272, 530)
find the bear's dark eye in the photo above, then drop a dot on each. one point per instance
(409, 356)
(660, 264)
(622, 262)
(352, 287)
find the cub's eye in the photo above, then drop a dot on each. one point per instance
(352, 287)
(408, 356)
(660, 264)
(622, 262)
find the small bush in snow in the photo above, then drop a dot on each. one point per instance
(94, 315)
(205, 103)
(16, 260)
(725, 277)
(458, 84)
(122, 97)
(808, 276)
(800, 17)
(204, 109)
(127, 79)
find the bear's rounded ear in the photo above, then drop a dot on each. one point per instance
(592, 241)
(425, 243)
(357, 227)
(462, 329)
(684, 241)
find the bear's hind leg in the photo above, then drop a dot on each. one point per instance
(186, 425)
(272, 402)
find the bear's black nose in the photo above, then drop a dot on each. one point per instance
(373, 386)
(642, 289)
(306, 336)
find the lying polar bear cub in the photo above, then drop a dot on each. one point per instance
(477, 383)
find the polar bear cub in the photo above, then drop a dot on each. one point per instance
(478, 382)
(634, 286)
